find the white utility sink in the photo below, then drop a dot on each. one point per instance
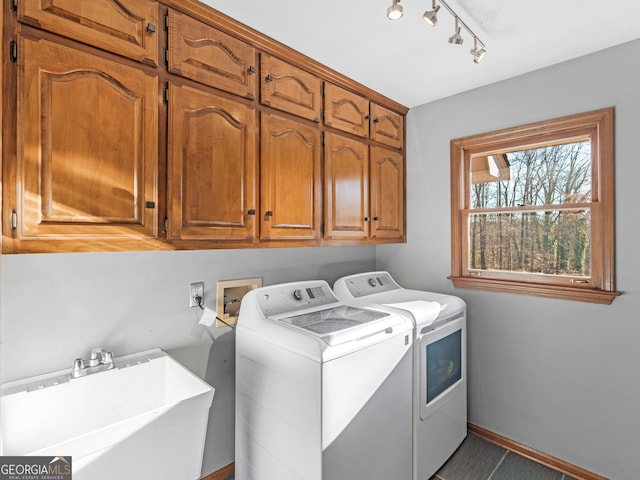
(145, 418)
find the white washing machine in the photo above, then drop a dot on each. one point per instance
(440, 377)
(323, 390)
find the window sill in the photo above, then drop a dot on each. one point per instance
(579, 294)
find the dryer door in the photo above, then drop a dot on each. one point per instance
(442, 364)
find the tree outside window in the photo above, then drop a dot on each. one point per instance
(532, 209)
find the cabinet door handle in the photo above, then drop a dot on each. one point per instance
(268, 214)
(251, 212)
(268, 78)
(376, 218)
(251, 69)
(366, 117)
(151, 28)
(13, 220)
(367, 219)
(376, 120)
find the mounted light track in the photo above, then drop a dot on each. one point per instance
(395, 12)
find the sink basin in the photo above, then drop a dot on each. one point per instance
(145, 418)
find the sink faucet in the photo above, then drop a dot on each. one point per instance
(100, 360)
(101, 356)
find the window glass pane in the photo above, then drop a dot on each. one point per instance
(552, 175)
(551, 242)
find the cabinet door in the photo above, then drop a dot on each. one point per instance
(290, 88)
(387, 127)
(346, 111)
(291, 186)
(207, 55)
(86, 166)
(211, 167)
(346, 167)
(125, 27)
(387, 194)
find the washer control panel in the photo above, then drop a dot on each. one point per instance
(370, 283)
(293, 297)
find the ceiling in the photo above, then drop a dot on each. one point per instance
(412, 62)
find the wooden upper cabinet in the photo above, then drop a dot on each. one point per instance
(93, 159)
(387, 194)
(86, 166)
(207, 55)
(290, 88)
(346, 111)
(291, 184)
(211, 167)
(387, 127)
(125, 27)
(346, 170)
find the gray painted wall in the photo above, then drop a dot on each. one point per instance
(558, 376)
(57, 307)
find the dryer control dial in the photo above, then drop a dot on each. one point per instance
(361, 285)
(297, 294)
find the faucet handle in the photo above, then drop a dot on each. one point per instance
(79, 368)
(107, 358)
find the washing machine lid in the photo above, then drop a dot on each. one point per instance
(341, 324)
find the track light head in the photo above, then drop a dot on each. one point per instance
(431, 16)
(456, 38)
(478, 53)
(394, 12)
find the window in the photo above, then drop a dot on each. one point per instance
(532, 209)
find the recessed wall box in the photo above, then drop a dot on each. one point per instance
(230, 293)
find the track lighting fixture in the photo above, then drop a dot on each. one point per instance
(431, 16)
(395, 11)
(478, 54)
(456, 38)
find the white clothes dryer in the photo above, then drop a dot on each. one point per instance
(323, 390)
(439, 359)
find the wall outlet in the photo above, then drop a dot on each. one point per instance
(230, 293)
(196, 290)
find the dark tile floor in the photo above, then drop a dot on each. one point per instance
(477, 459)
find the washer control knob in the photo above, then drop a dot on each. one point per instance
(372, 282)
(297, 294)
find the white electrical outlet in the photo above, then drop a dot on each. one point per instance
(196, 290)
